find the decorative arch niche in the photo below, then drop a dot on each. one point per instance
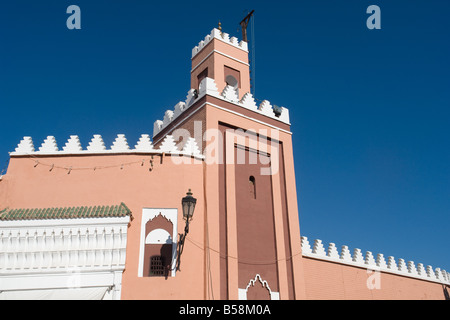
(258, 289)
(158, 243)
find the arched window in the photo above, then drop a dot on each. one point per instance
(252, 186)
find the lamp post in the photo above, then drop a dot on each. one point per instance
(188, 205)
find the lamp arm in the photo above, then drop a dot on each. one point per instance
(181, 244)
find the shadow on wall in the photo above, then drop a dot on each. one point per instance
(446, 290)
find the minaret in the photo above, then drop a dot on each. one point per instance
(251, 209)
(223, 59)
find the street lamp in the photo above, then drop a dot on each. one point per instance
(188, 205)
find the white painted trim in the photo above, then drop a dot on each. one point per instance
(246, 117)
(158, 236)
(242, 293)
(230, 111)
(63, 253)
(77, 222)
(367, 262)
(147, 214)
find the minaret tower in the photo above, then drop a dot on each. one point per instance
(251, 217)
(223, 59)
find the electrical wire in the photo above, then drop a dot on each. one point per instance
(248, 262)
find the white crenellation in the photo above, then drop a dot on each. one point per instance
(222, 36)
(49, 145)
(367, 261)
(208, 87)
(120, 144)
(168, 144)
(332, 251)
(412, 268)
(191, 97)
(345, 254)
(168, 116)
(401, 265)
(430, 272)
(25, 146)
(306, 247)
(438, 274)
(144, 144)
(266, 108)
(191, 147)
(96, 144)
(392, 265)
(248, 102)
(178, 109)
(157, 127)
(357, 256)
(73, 144)
(318, 248)
(421, 270)
(381, 262)
(284, 116)
(230, 93)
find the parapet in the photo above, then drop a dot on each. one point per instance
(367, 261)
(97, 146)
(222, 36)
(229, 94)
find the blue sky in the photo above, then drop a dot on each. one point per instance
(369, 108)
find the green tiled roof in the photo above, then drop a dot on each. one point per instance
(120, 210)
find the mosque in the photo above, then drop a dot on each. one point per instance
(204, 208)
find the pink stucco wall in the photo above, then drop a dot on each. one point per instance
(326, 280)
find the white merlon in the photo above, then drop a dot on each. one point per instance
(430, 272)
(345, 254)
(73, 145)
(157, 127)
(392, 265)
(318, 248)
(266, 108)
(49, 145)
(370, 261)
(191, 147)
(421, 270)
(144, 144)
(222, 36)
(332, 251)
(168, 116)
(367, 261)
(357, 256)
(208, 86)
(381, 262)
(120, 144)
(179, 108)
(306, 247)
(229, 94)
(402, 265)
(97, 146)
(191, 97)
(412, 268)
(25, 146)
(248, 102)
(168, 145)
